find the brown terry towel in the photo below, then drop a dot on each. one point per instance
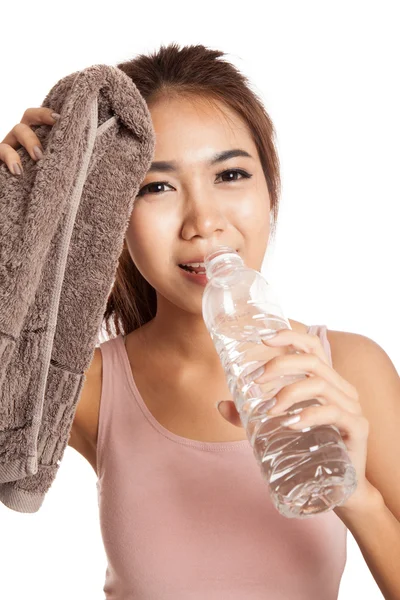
(62, 226)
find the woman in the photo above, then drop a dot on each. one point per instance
(184, 510)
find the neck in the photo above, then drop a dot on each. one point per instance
(184, 335)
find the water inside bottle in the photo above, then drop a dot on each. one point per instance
(307, 470)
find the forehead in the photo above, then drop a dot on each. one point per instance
(187, 122)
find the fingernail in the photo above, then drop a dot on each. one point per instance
(37, 152)
(218, 402)
(55, 116)
(16, 169)
(270, 336)
(291, 420)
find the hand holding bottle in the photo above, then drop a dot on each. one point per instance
(339, 399)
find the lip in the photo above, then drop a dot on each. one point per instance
(197, 259)
(200, 279)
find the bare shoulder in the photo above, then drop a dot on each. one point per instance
(83, 437)
(363, 362)
(347, 347)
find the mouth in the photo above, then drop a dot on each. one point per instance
(190, 274)
(197, 268)
(195, 271)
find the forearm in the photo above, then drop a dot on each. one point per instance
(377, 533)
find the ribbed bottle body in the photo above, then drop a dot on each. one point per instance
(308, 471)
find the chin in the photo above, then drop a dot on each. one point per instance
(191, 304)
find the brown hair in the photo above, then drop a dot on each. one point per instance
(190, 70)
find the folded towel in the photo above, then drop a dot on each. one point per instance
(62, 228)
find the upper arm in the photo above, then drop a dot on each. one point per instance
(85, 424)
(363, 363)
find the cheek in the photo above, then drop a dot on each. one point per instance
(252, 216)
(147, 231)
(136, 236)
(252, 219)
(148, 239)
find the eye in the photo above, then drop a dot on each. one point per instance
(147, 189)
(154, 186)
(244, 174)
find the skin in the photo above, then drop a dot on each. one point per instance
(191, 213)
(196, 209)
(168, 228)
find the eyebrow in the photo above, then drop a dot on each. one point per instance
(168, 166)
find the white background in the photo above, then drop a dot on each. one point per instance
(329, 76)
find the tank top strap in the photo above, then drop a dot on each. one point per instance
(321, 331)
(116, 408)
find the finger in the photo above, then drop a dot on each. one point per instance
(32, 116)
(353, 426)
(304, 342)
(228, 411)
(313, 388)
(310, 364)
(38, 116)
(27, 138)
(10, 156)
(22, 135)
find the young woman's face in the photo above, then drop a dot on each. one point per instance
(184, 210)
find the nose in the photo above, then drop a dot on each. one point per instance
(203, 217)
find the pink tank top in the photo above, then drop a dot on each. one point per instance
(189, 520)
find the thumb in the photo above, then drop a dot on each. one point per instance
(227, 410)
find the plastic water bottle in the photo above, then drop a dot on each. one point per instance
(308, 471)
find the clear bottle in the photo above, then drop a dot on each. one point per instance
(308, 471)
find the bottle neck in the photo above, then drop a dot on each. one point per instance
(222, 264)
